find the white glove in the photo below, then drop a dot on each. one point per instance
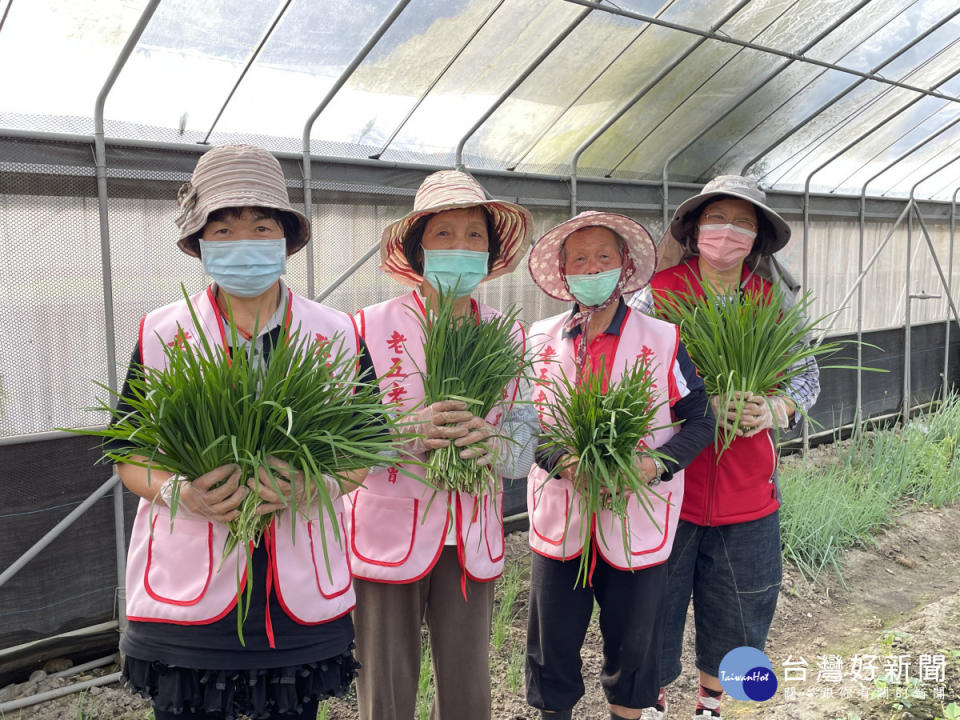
(201, 500)
(439, 424)
(289, 484)
(481, 443)
(725, 408)
(762, 412)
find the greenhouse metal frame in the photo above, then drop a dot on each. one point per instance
(61, 156)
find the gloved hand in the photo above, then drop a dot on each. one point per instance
(762, 412)
(725, 408)
(205, 497)
(286, 482)
(440, 423)
(481, 443)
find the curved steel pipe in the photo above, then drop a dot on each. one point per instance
(575, 158)
(308, 125)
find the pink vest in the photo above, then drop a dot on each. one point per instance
(182, 576)
(396, 526)
(556, 525)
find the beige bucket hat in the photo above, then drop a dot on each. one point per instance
(454, 190)
(638, 268)
(234, 176)
(676, 241)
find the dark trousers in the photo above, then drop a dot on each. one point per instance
(631, 617)
(388, 619)
(733, 573)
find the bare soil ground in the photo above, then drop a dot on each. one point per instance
(900, 599)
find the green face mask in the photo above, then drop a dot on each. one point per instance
(460, 269)
(592, 290)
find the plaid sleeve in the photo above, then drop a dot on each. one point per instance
(642, 301)
(803, 388)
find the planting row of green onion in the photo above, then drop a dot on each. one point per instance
(829, 507)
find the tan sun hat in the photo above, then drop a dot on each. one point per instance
(234, 176)
(638, 266)
(676, 241)
(454, 190)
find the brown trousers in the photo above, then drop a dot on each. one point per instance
(388, 618)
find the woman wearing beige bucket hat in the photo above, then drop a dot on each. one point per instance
(727, 552)
(408, 543)
(181, 643)
(592, 260)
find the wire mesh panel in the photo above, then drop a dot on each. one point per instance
(42, 483)
(51, 294)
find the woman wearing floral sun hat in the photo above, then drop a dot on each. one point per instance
(592, 260)
(181, 643)
(407, 550)
(727, 553)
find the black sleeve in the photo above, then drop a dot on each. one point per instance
(548, 456)
(134, 370)
(693, 412)
(366, 372)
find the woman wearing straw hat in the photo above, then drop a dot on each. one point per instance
(592, 260)
(181, 644)
(727, 551)
(407, 541)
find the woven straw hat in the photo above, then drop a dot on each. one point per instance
(234, 176)
(738, 186)
(639, 265)
(454, 190)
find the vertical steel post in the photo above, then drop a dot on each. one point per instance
(906, 319)
(121, 546)
(946, 343)
(100, 155)
(858, 413)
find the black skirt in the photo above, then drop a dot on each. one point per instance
(255, 693)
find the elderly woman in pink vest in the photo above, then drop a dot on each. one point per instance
(727, 555)
(181, 644)
(408, 551)
(592, 260)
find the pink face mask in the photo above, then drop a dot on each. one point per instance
(723, 246)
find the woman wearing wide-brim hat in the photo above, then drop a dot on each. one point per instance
(181, 643)
(420, 554)
(592, 260)
(727, 553)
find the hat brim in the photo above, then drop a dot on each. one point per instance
(513, 224)
(692, 204)
(189, 233)
(544, 263)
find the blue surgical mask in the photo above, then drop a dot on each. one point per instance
(591, 290)
(460, 269)
(245, 268)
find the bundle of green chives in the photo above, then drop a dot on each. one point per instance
(208, 408)
(472, 361)
(747, 344)
(606, 433)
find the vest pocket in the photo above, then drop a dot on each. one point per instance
(641, 536)
(180, 564)
(383, 528)
(551, 506)
(493, 526)
(337, 580)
